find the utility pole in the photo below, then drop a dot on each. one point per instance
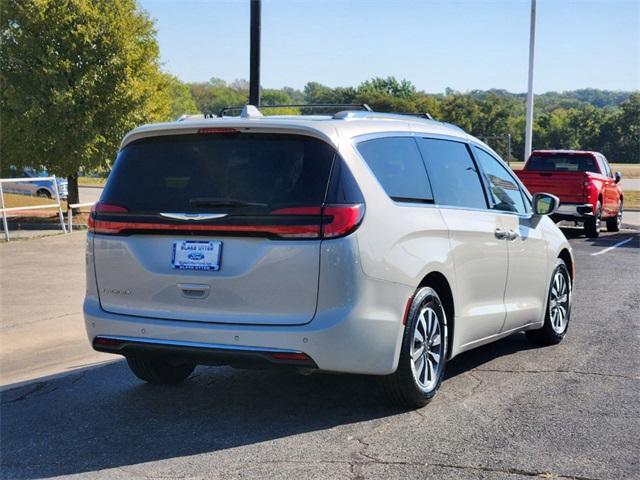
(528, 133)
(254, 68)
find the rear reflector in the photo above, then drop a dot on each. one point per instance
(291, 356)
(107, 342)
(407, 307)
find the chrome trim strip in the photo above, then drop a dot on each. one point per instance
(212, 346)
(193, 216)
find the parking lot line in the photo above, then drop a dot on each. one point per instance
(616, 245)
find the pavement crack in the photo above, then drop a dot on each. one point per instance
(35, 389)
(573, 372)
(478, 384)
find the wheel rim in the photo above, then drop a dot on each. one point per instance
(619, 217)
(598, 215)
(427, 349)
(559, 302)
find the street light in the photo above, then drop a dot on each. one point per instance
(254, 54)
(528, 133)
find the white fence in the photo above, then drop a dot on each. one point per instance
(4, 210)
(70, 212)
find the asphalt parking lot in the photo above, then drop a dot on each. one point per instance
(506, 411)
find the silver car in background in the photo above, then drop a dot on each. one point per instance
(360, 242)
(37, 187)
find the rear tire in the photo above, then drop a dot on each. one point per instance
(614, 223)
(558, 314)
(423, 356)
(158, 370)
(592, 224)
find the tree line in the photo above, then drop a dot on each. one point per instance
(76, 75)
(587, 119)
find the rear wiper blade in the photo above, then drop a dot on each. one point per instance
(223, 202)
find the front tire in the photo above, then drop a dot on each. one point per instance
(558, 314)
(423, 356)
(592, 224)
(158, 370)
(614, 223)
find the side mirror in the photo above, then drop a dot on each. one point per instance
(618, 177)
(545, 204)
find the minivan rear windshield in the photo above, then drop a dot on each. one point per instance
(239, 172)
(563, 163)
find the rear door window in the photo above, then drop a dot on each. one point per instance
(504, 190)
(454, 176)
(397, 164)
(241, 173)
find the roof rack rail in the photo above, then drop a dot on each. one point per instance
(426, 115)
(346, 106)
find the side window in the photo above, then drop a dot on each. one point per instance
(398, 166)
(505, 192)
(606, 170)
(454, 176)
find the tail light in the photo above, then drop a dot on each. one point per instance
(341, 220)
(330, 221)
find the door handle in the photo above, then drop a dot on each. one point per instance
(501, 234)
(512, 235)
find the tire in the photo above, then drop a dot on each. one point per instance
(158, 370)
(614, 223)
(414, 384)
(558, 314)
(592, 224)
(43, 193)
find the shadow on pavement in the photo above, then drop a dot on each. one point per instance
(605, 239)
(104, 418)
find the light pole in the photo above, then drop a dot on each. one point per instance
(254, 54)
(529, 118)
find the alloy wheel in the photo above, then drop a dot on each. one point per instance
(426, 350)
(559, 302)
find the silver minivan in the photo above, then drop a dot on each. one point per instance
(360, 242)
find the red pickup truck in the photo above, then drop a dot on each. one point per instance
(588, 191)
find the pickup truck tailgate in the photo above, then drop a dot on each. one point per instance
(568, 186)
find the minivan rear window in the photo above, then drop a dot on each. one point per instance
(239, 172)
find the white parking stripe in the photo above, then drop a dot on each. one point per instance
(619, 244)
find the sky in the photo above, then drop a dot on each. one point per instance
(460, 44)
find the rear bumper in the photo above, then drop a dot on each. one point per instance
(202, 353)
(574, 211)
(362, 337)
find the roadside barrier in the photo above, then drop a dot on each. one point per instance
(4, 210)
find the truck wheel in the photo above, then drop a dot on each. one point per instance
(592, 224)
(423, 356)
(158, 370)
(614, 223)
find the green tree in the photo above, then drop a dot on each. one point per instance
(181, 100)
(75, 76)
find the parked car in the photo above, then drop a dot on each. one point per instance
(589, 192)
(361, 242)
(38, 187)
